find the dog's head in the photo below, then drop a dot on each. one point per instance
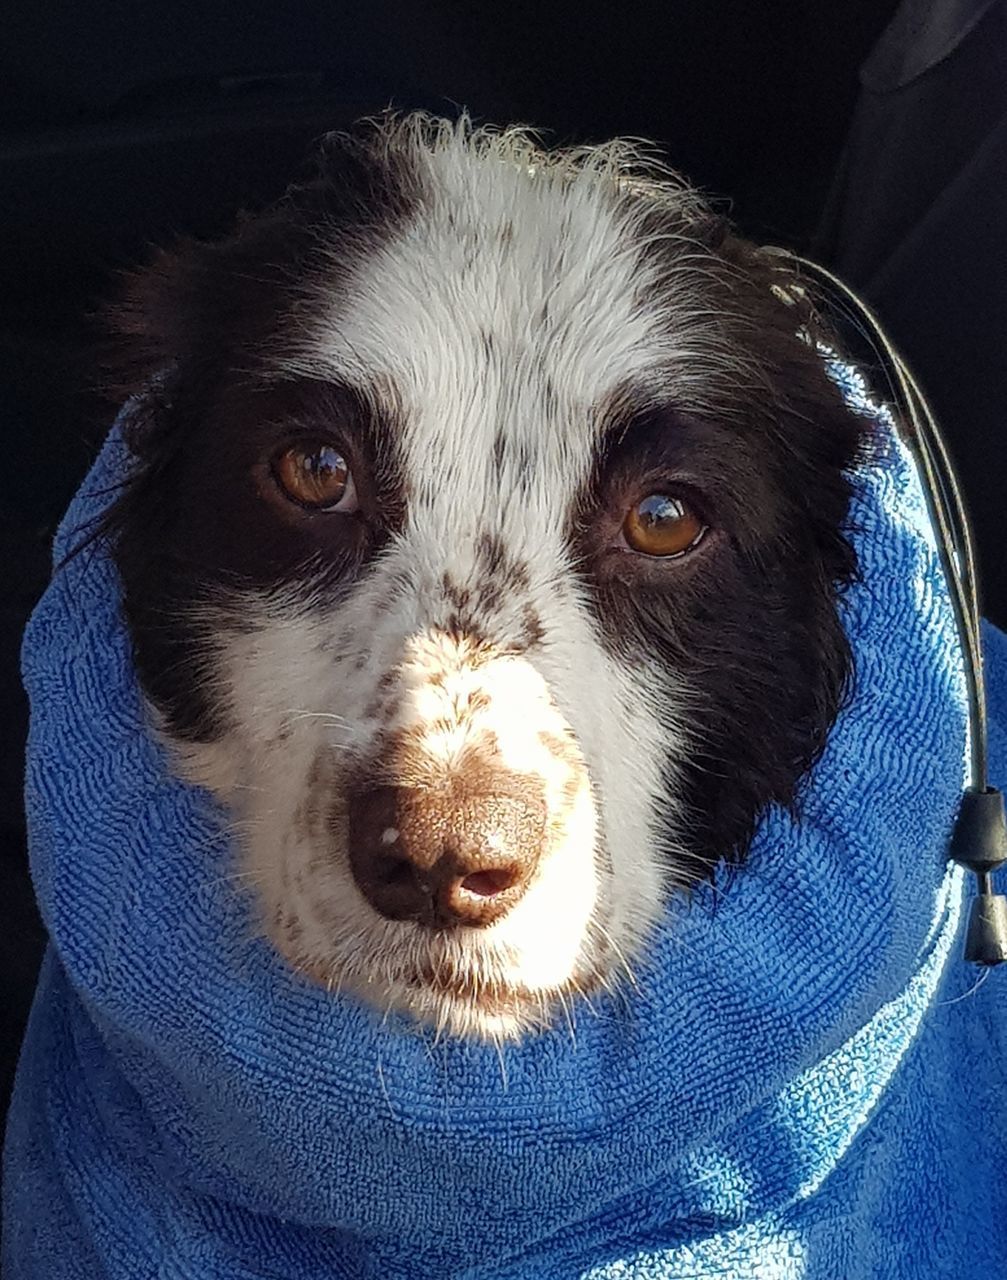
(482, 557)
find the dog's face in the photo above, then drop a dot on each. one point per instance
(482, 557)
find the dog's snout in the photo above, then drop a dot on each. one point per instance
(447, 855)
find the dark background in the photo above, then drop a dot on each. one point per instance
(122, 124)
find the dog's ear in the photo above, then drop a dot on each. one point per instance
(179, 329)
(821, 438)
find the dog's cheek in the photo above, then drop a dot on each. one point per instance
(646, 744)
(271, 765)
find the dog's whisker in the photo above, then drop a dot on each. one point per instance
(295, 715)
(246, 877)
(384, 1088)
(569, 1018)
(618, 953)
(504, 1079)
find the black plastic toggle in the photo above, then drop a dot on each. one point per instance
(986, 940)
(979, 842)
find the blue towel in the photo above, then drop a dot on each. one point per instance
(804, 1085)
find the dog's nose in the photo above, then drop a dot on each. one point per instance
(447, 856)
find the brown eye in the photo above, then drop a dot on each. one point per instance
(316, 476)
(660, 525)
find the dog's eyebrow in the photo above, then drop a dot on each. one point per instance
(369, 414)
(630, 409)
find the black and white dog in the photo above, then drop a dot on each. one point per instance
(482, 556)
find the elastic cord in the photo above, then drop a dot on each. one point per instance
(945, 505)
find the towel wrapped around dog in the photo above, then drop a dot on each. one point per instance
(803, 1085)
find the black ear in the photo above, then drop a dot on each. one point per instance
(184, 327)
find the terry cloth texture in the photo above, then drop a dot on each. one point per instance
(802, 1087)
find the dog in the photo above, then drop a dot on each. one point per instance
(482, 556)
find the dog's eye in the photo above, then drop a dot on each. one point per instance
(661, 525)
(316, 476)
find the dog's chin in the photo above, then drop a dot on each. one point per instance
(495, 1013)
(454, 995)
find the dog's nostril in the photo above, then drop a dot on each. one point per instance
(394, 872)
(487, 884)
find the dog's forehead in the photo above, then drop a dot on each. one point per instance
(503, 313)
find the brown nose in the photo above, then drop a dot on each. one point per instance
(445, 856)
